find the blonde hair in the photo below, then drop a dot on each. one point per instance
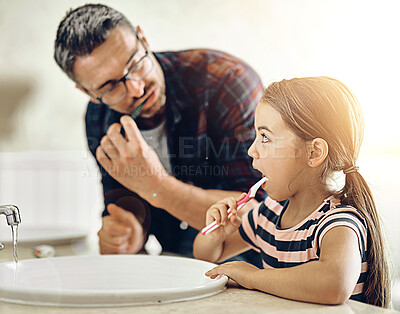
(322, 107)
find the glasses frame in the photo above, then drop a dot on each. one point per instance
(125, 77)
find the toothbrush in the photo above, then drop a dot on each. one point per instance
(249, 196)
(134, 114)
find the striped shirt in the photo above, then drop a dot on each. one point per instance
(281, 248)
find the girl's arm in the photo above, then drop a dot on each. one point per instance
(225, 241)
(329, 280)
(216, 250)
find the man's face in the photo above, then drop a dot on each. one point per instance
(110, 61)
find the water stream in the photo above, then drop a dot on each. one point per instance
(14, 230)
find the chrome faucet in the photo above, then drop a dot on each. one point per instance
(12, 215)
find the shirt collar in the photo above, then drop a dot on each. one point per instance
(174, 88)
(111, 116)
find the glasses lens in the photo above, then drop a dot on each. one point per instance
(137, 73)
(115, 94)
(141, 69)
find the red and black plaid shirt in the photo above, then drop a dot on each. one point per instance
(210, 102)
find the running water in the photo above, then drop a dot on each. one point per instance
(14, 229)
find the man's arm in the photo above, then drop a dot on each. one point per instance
(136, 166)
(126, 217)
(187, 202)
(115, 234)
(133, 163)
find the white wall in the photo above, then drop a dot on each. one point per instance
(355, 41)
(352, 40)
(52, 189)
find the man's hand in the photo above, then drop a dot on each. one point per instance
(130, 160)
(121, 232)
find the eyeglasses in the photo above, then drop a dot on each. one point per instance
(137, 72)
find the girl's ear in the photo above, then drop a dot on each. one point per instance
(91, 98)
(317, 152)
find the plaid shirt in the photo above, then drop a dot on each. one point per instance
(210, 102)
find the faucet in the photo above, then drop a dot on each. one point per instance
(12, 215)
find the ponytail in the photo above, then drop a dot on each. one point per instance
(356, 193)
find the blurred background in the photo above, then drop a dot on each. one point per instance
(44, 164)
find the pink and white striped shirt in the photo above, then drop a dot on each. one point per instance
(281, 248)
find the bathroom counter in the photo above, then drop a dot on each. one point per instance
(233, 300)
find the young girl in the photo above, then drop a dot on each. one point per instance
(318, 231)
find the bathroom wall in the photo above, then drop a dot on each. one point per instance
(52, 188)
(352, 40)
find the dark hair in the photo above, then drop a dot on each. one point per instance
(82, 30)
(324, 107)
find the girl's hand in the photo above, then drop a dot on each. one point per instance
(219, 213)
(239, 271)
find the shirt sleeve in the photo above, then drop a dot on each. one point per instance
(233, 112)
(344, 217)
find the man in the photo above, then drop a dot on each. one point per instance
(195, 108)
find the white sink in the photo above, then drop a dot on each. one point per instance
(37, 234)
(107, 280)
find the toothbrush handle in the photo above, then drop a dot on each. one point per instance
(244, 200)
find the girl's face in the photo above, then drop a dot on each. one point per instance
(278, 153)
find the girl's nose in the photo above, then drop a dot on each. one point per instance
(135, 88)
(252, 152)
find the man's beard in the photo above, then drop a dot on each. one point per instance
(155, 108)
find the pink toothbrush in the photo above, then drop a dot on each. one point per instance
(249, 196)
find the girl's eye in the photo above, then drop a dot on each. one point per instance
(265, 139)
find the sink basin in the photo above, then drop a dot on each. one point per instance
(107, 280)
(29, 235)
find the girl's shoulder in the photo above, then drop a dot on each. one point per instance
(337, 208)
(338, 214)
